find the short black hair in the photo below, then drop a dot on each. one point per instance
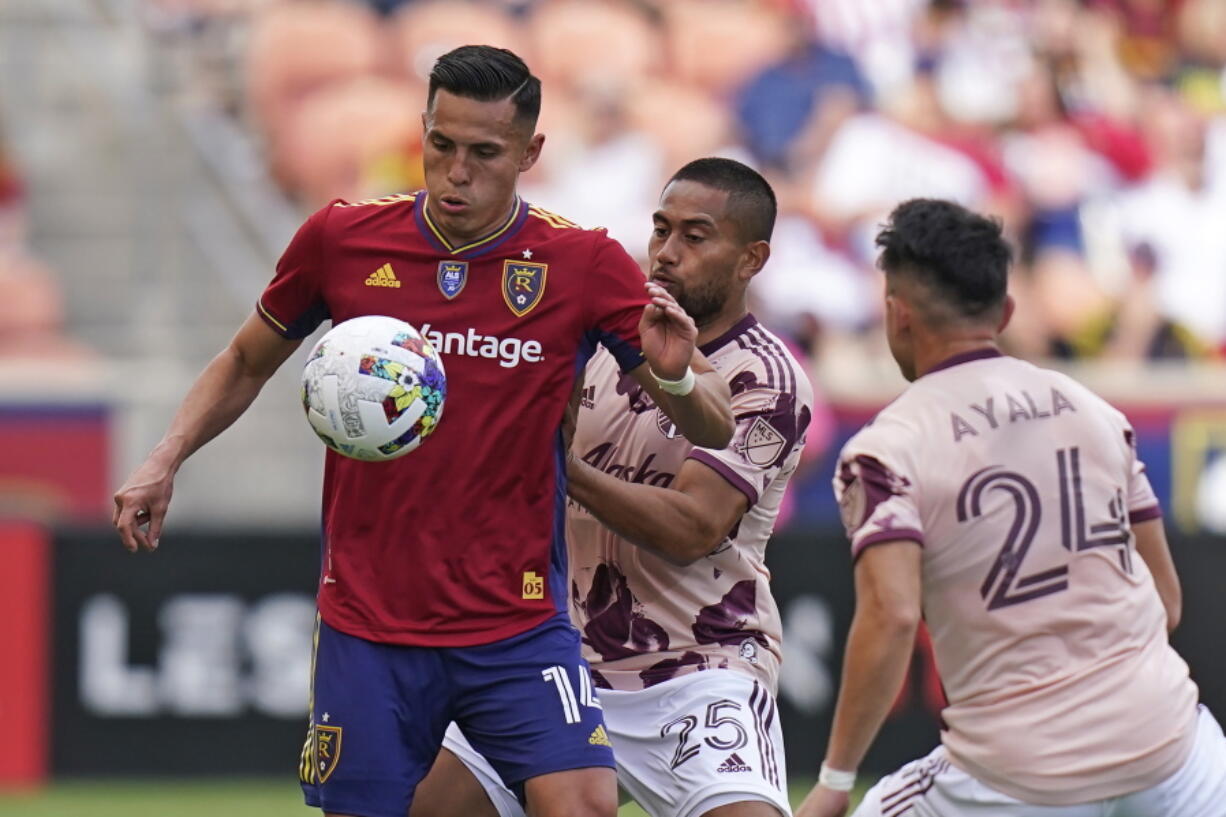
(487, 74)
(751, 201)
(961, 255)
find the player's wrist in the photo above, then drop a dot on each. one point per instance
(836, 779)
(679, 387)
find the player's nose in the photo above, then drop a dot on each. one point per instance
(667, 253)
(457, 171)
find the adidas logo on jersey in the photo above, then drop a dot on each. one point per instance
(588, 398)
(383, 277)
(734, 763)
(600, 737)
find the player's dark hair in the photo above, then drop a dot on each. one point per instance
(962, 256)
(751, 201)
(487, 74)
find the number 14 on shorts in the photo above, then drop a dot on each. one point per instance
(558, 676)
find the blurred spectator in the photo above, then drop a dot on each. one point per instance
(610, 176)
(806, 94)
(31, 302)
(876, 160)
(878, 35)
(1172, 225)
(1093, 128)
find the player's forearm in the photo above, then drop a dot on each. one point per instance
(668, 523)
(704, 416)
(219, 396)
(879, 648)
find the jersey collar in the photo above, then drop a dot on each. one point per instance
(739, 328)
(966, 357)
(519, 214)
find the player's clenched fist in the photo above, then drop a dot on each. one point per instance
(142, 501)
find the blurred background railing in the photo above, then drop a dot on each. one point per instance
(156, 155)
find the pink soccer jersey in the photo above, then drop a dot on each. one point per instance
(643, 619)
(1021, 486)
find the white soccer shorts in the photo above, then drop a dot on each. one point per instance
(683, 747)
(934, 787)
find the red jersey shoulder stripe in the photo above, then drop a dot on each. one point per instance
(553, 219)
(382, 201)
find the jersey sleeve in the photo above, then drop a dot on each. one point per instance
(614, 298)
(292, 303)
(1142, 501)
(876, 495)
(770, 433)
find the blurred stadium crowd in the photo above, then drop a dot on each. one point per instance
(1094, 128)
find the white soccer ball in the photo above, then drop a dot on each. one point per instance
(373, 388)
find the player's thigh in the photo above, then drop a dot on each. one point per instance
(527, 705)
(584, 792)
(378, 713)
(1198, 789)
(934, 787)
(697, 743)
(462, 783)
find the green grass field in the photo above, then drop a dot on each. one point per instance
(198, 798)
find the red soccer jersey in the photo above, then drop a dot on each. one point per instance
(461, 541)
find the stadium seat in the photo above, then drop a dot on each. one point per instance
(354, 140)
(683, 120)
(421, 32)
(31, 310)
(719, 44)
(573, 39)
(298, 48)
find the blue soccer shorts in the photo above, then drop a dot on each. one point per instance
(379, 713)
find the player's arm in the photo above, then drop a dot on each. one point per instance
(1152, 546)
(879, 647)
(221, 393)
(703, 412)
(680, 524)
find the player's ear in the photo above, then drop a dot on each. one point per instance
(532, 152)
(1006, 314)
(753, 259)
(897, 313)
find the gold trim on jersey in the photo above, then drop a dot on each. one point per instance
(553, 219)
(264, 311)
(425, 214)
(382, 201)
(306, 761)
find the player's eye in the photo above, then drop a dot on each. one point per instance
(440, 144)
(694, 238)
(660, 232)
(486, 153)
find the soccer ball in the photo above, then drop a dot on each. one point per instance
(373, 388)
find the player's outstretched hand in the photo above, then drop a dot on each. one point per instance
(140, 506)
(668, 334)
(824, 802)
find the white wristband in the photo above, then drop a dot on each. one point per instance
(836, 779)
(680, 387)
